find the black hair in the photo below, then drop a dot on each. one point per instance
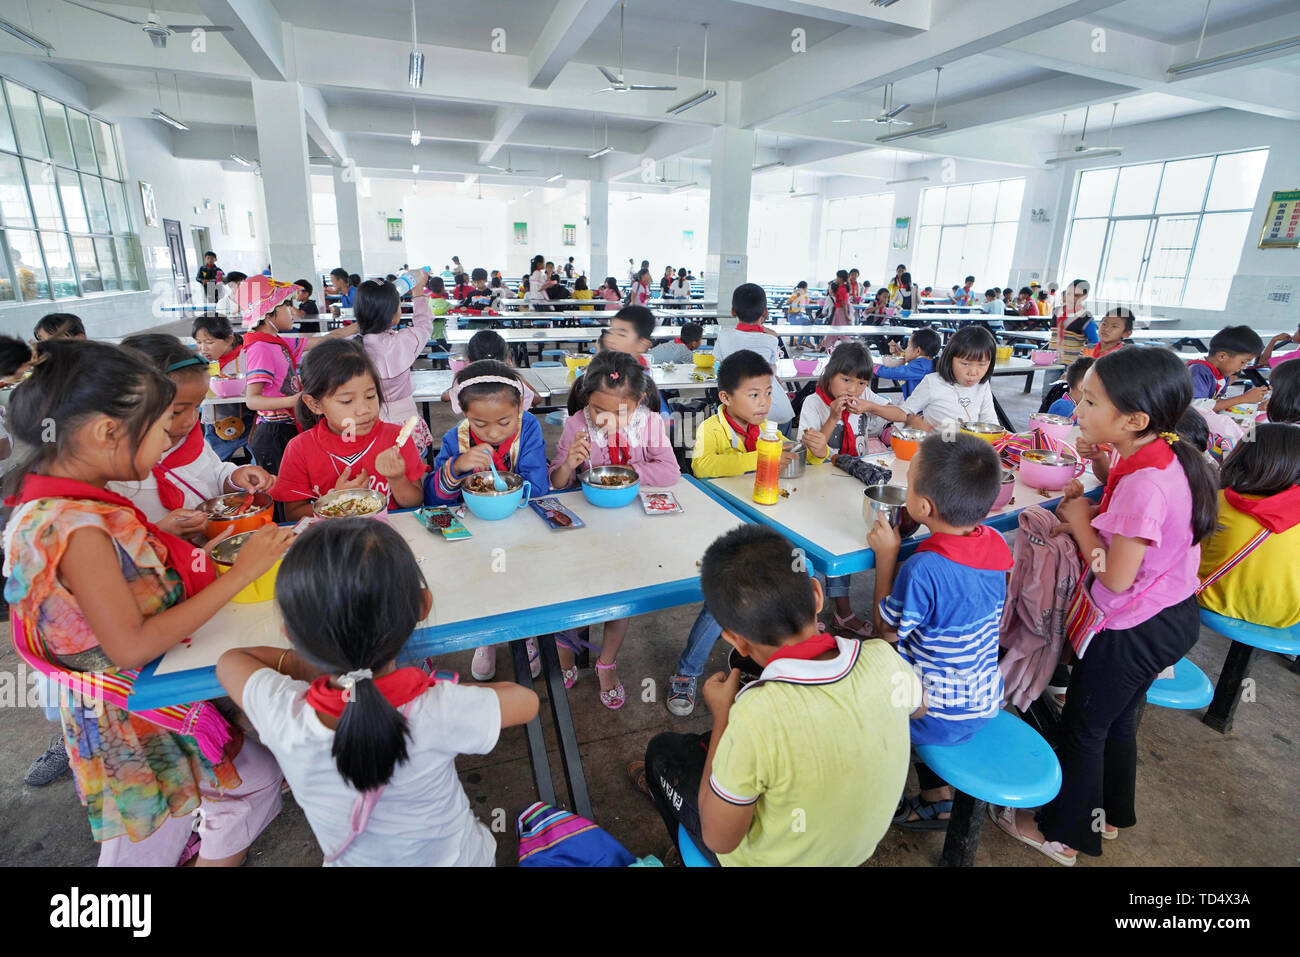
(1237, 341)
(928, 341)
(354, 279)
(14, 354)
(72, 382)
(802, 284)
(1267, 465)
(391, 277)
(749, 302)
(841, 274)
(1284, 402)
(236, 276)
(611, 283)
(852, 359)
(992, 293)
(1123, 312)
(329, 367)
(1076, 371)
(218, 327)
(1193, 428)
(210, 253)
(350, 593)
(970, 279)
(59, 325)
(906, 279)
(374, 306)
(339, 273)
(163, 351)
(435, 284)
(641, 318)
(486, 344)
(754, 588)
(970, 342)
(960, 476)
(739, 366)
(580, 284)
(692, 332)
(484, 390)
(479, 273)
(536, 261)
(682, 273)
(1087, 286)
(615, 372)
(1025, 291)
(306, 286)
(1156, 382)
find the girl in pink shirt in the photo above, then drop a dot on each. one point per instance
(609, 292)
(1142, 543)
(378, 308)
(618, 424)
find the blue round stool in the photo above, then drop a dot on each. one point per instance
(1246, 637)
(691, 855)
(1187, 690)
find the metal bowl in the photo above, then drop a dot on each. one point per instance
(797, 465)
(221, 513)
(988, 431)
(368, 502)
(892, 500)
(225, 552)
(1048, 457)
(610, 496)
(480, 484)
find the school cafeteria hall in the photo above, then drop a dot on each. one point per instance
(652, 433)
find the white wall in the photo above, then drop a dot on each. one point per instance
(777, 226)
(652, 228)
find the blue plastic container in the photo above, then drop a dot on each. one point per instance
(610, 496)
(492, 505)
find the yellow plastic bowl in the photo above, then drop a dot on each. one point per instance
(990, 432)
(576, 361)
(703, 360)
(1004, 353)
(261, 589)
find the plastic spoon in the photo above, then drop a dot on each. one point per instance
(498, 482)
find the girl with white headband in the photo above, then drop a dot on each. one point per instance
(495, 430)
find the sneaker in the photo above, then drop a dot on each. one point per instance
(50, 766)
(681, 694)
(484, 666)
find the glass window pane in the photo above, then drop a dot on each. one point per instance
(983, 202)
(7, 291)
(27, 121)
(1083, 256)
(1218, 251)
(951, 247)
(1001, 251)
(26, 259)
(957, 207)
(927, 252)
(1170, 254)
(40, 183)
(116, 206)
(14, 210)
(1136, 193)
(975, 255)
(83, 251)
(56, 131)
(95, 204)
(128, 264)
(1096, 187)
(74, 210)
(82, 144)
(59, 262)
(932, 206)
(107, 266)
(7, 141)
(1236, 180)
(1183, 187)
(105, 148)
(1128, 242)
(1011, 194)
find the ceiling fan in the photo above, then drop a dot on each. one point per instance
(888, 112)
(508, 169)
(617, 82)
(1082, 150)
(157, 31)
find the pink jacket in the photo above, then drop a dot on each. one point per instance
(393, 353)
(1033, 619)
(652, 454)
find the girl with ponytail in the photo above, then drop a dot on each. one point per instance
(1142, 544)
(369, 748)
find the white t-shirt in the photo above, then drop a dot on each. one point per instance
(423, 817)
(733, 340)
(941, 401)
(815, 412)
(536, 284)
(680, 289)
(202, 479)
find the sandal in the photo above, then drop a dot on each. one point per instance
(864, 630)
(570, 676)
(636, 772)
(616, 696)
(1005, 818)
(927, 813)
(534, 657)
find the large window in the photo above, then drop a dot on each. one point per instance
(855, 235)
(965, 231)
(64, 230)
(1163, 234)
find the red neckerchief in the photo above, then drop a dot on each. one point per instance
(620, 450)
(1153, 455)
(983, 548)
(185, 453)
(1277, 512)
(848, 444)
(398, 688)
(679, 339)
(499, 452)
(251, 337)
(645, 363)
(178, 551)
(750, 433)
(748, 327)
(808, 648)
(230, 356)
(1097, 353)
(1220, 380)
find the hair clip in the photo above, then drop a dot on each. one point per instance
(1170, 437)
(613, 377)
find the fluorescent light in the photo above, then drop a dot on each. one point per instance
(917, 131)
(417, 69)
(415, 167)
(527, 194)
(415, 137)
(684, 187)
(694, 101)
(1235, 56)
(634, 197)
(552, 179)
(170, 121)
(603, 151)
(240, 160)
(1084, 154)
(30, 39)
(884, 3)
(772, 165)
(910, 179)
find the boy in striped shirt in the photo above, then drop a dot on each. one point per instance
(944, 609)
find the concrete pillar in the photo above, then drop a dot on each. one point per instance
(349, 219)
(727, 264)
(598, 213)
(286, 178)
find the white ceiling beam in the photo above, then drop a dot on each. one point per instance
(505, 121)
(850, 62)
(1077, 48)
(257, 37)
(666, 143)
(570, 26)
(1264, 91)
(332, 142)
(904, 19)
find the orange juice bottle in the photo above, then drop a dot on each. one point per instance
(767, 489)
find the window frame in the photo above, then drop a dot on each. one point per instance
(922, 226)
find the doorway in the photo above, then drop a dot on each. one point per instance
(201, 237)
(180, 269)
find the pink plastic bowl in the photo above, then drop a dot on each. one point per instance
(1057, 426)
(457, 363)
(1051, 475)
(1042, 357)
(226, 388)
(1005, 490)
(805, 366)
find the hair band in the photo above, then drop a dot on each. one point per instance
(348, 681)
(480, 379)
(186, 363)
(1170, 437)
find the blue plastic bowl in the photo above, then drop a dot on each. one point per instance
(607, 496)
(492, 505)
